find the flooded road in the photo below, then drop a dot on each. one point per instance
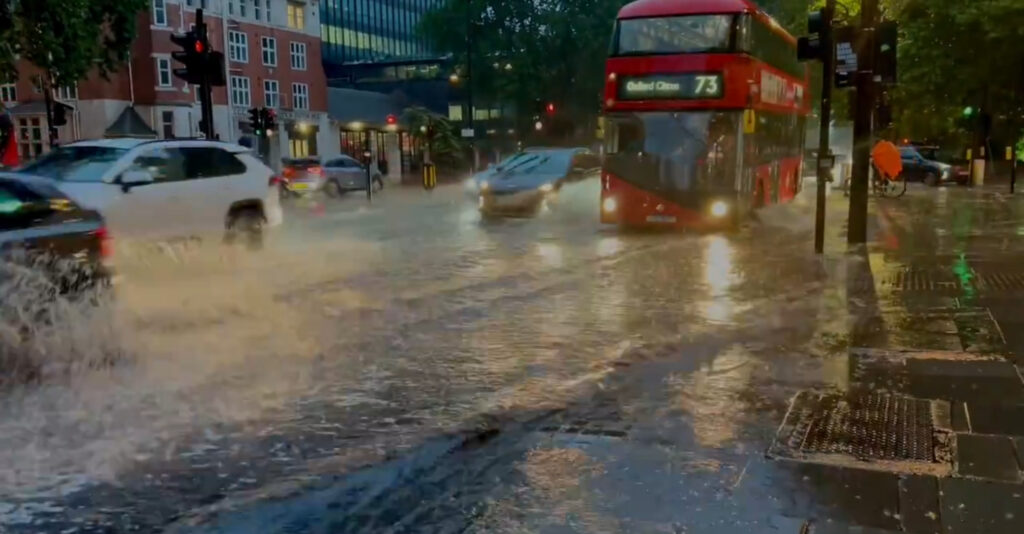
(353, 371)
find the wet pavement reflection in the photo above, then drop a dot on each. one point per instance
(446, 373)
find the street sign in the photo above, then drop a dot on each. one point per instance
(846, 56)
(749, 121)
(468, 133)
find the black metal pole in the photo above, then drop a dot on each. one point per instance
(368, 157)
(469, 81)
(51, 130)
(824, 150)
(857, 231)
(205, 89)
(1013, 167)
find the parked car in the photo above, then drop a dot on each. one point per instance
(524, 187)
(918, 168)
(167, 188)
(344, 174)
(960, 171)
(44, 230)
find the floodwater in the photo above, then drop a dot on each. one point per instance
(349, 372)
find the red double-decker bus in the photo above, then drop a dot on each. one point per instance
(705, 104)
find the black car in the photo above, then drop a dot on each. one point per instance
(45, 232)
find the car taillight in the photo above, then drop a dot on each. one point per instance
(275, 181)
(316, 170)
(288, 172)
(106, 243)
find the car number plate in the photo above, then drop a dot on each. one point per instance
(300, 186)
(661, 219)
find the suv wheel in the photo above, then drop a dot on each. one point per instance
(245, 225)
(378, 183)
(333, 189)
(931, 179)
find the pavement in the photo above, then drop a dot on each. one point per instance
(405, 366)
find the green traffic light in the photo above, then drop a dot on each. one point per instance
(968, 111)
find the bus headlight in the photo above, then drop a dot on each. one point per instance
(610, 205)
(719, 208)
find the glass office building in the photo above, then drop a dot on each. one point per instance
(373, 32)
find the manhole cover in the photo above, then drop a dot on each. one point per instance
(894, 432)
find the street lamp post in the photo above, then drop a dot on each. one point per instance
(469, 80)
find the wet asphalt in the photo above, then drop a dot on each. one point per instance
(421, 369)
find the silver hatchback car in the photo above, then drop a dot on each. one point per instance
(343, 174)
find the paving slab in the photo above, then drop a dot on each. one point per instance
(845, 495)
(1018, 445)
(981, 507)
(919, 504)
(989, 418)
(979, 381)
(990, 457)
(961, 421)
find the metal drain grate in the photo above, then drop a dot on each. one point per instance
(875, 426)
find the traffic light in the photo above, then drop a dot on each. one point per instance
(256, 121)
(550, 108)
(886, 37)
(269, 118)
(194, 55)
(818, 41)
(968, 112)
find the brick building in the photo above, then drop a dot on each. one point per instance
(273, 59)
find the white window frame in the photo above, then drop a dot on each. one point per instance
(160, 12)
(257, 9)
(268, 10)
(238, 46)
(297, 95)
(241, 93)
(276, 103)
(68, 93)
(8, 93)
(297, 52)
(242, 11)
(163, 64)
(270, 51)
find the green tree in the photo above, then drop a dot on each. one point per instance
(66, 39)
(526, 51)
(446, 146)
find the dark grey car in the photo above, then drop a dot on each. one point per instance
(343, 174)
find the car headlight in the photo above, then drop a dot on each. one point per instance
(471, 185)
(547, 188)
(719, 208)
(484, 185)
(610, 205)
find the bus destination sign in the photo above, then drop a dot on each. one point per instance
(671, 87)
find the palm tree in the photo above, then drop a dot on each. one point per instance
(437, 133)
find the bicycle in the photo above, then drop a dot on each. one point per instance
(887, 187)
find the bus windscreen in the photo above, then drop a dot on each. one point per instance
(690, 34)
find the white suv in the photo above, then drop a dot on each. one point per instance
(167, 188)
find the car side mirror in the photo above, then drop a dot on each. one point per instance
(132, 179)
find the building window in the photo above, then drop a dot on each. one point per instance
(298, 53)
(8, 93)
(167, 120)
(30, 138)
(67, 93)
(163, 72)
(300, 96)
(240, 91)
(300, 148)
(296, 16)
(268, 10)
(242, 9)
(269, 45)
(231, 7)
(205, 4)
(198, 94)
(256, 11)
(271, 94)
(238, 47)
(455, 112)
(160, 12)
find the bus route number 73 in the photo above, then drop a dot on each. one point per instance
(708, 85)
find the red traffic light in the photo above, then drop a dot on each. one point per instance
(199, 47)
(551, 107)
(392, 119)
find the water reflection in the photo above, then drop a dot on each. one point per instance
(720, 277)
(551, 254)
(609, 246)
(713, 396)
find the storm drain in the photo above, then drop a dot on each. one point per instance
(894, 432)
(931, 280)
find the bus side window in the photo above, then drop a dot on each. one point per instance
(627, 137)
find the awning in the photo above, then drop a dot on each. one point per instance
(130, 124)
(366, 108)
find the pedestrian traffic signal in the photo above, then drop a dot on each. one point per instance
(818, 41)
(269, 120)
(256, 121)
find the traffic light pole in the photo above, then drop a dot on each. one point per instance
(205, 89)
(857, 229)
(824, 150)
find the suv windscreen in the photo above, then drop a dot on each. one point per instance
(76, 163)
